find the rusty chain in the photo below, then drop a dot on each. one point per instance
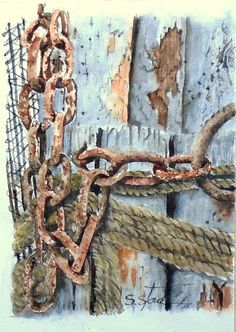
(41, 39)
(200, 147)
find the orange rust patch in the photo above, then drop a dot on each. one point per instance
(118, 98)
(134, 275)
(111, 44)
(119, 91)
(225, 210)
(211, 299)
(169, 60)
(127, 262)
(117, 101)
(227, 299)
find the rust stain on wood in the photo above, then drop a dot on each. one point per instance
(128, 265)
(117, 101)
(134, 275)
(215, 297)
(168, 59)
(111, 44)
(225, 210)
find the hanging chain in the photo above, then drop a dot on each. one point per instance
(42, 39)
(45, 37)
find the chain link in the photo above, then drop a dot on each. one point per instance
(41, 39)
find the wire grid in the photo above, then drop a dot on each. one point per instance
(17, 146)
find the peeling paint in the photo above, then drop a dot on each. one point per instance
(225, 210)
(111, 44)
(128, 265)
(117, 101)
(168, 59)
(133, 276)
(215, 297)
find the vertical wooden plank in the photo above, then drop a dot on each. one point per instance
(102, 63)
(208, 87)
(209, 70)
(158, 73)
(139, 271)
(159, 61)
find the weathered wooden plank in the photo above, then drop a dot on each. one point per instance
(208, 87)
(187, 290)
(102, 66)
(200, 209)
(209, 70)
(158, 72)
(143, 271)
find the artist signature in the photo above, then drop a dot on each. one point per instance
(142, 301)
(150, 298)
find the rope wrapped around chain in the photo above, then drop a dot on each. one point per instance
(42, 39)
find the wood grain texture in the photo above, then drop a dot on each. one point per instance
(151, 92)
(102, 63)
(168, 59)
(208, 72)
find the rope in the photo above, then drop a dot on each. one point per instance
(107, 286)
(177, 186)
(17, 297)
(24, 233)
(179, 243)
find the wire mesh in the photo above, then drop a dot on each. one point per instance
(17, 146)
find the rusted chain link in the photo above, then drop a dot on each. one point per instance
(117, 172)
(200, 147)
(49, 282)
(41, 38)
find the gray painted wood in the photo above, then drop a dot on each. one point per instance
(200, 209)
(150, 271)
(100, 45)
(150, 31)
(209, 69)
(208, 87)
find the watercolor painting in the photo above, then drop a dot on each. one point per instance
(120, 167)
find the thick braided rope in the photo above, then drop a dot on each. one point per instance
(177, 186)
(18, 300)
(186, 246)
(24, 227)
(107, 287)
(181, 244)
(166, 188)
(223, 169)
